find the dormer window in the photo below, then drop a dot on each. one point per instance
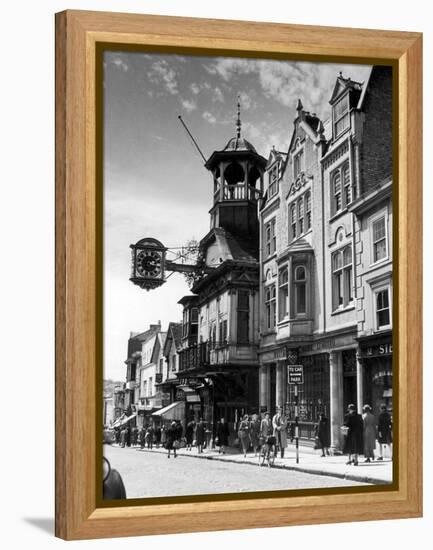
(340, 115)
(298, 163)
(273, 180)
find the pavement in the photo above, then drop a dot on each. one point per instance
(310, 462)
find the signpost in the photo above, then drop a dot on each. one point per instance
(295, 376)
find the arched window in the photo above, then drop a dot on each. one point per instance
(300, 284)
(342, 294)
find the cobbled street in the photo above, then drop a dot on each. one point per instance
(150, 474)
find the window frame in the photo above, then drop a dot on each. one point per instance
(270, 237)
(345, 283)
(339, 172)
(273, 180)
(376, 290)
(297, 284)
(383, 213)
(346, 113)
(283, 294)
(270, 307)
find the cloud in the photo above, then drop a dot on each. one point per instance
(195, 88)
(285, 81)
(120, 63)
(188, 105)
(217, 95)
(162, 74)
(209, 117)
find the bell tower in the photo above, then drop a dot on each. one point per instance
(238, 172)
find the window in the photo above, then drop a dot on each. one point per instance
(340, 113)
(271, 239)
(185, 323)
(173, 362)
(194, 321)
(150, 386)
(308, 209)
(341, 189)
(145, 388)
(243, 316)
(383, 317)
(300, 285)
(273, 181)
(161, 366)
(301, 215)
(379, 239)
(298, 163)
(270, 309)
(293, 221)
(342, 294)
(283, 309)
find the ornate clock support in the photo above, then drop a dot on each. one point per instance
(149, 264)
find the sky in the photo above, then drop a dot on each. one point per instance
(155, 183)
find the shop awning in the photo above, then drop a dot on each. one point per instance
(174, 411)
(124, 420)
(118, 421)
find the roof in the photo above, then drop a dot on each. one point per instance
(174, 334)
(341, 85)
(239, 144)
(236, 248)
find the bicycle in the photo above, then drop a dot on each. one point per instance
(268, 451)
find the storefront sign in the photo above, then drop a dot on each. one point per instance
(380, 350)
(295, 374)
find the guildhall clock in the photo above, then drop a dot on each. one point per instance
(148, 263)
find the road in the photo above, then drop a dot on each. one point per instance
(151, 474)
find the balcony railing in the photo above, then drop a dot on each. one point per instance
(236, 192)
(200, 355)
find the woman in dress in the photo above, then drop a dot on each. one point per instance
(171, 438)
(255, 433)
(244, 434)
(369, 433)
(354, 444)
(384, 431)
(322, 434)
(222, 433)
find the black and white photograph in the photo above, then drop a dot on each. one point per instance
(247, 275)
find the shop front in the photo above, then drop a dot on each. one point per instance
(375, 355)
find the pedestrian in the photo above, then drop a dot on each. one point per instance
(222, 436)
(142, 437)
(244, 434)
(200, 435)
(369, 433)
(158, 436)
(384, 431)
(354, 444)
(279, 425)
(122, 437)
(266, 428)
(117, 432)
(322, 434)
(179, 431)
(128, 436)
(171, 438)
(134, 436)
(149, 437)
(163, 436)
(255, 433)
(189, 434)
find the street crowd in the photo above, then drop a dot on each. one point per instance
(361, 432)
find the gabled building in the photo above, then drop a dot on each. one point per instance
(220, 338)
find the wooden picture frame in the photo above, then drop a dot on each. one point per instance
(79, 514)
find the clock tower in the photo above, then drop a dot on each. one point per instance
(238, 172)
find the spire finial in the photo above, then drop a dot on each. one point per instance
(238, 121)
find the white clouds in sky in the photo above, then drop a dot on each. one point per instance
(189, 105)
(162, 73)
(209, 117)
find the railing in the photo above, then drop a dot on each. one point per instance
(237, 192)
(199, 355)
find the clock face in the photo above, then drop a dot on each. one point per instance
(148, 263)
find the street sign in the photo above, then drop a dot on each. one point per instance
(295, 374)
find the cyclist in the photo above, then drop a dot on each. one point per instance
(267, 440)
